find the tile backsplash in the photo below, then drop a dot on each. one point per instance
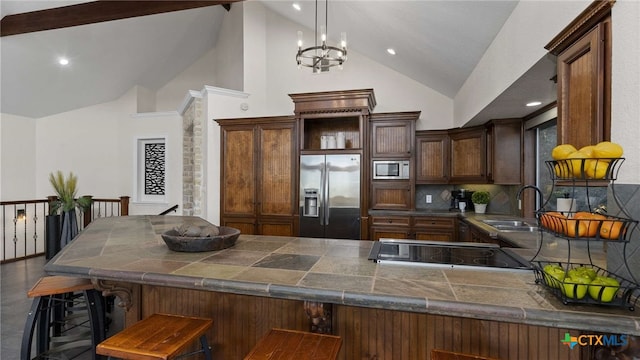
(627, 206)
(503, 197)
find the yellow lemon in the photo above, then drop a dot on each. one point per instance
(561, 168)
(607, 149)
(576, 161)
(588, 150)
(595, 168)
(563, 151)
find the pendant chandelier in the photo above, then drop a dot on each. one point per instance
(322, 57)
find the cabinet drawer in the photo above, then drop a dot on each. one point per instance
(391, 220)
(435, 222)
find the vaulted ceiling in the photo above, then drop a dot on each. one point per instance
(438, 43)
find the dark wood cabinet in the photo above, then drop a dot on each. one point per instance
(258, 171)
(504, 151)
(581, 90)
(392, 138)
(433, 228)
(392, 134)
(394, 227)
(391, 195)
(432, 157)
(584, 76)
(480, 154)
(468, 162)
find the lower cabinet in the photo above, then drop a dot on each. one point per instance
(431, 228)
(435, 228)
(395, 227)
(276, 226)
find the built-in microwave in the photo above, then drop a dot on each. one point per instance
(391, 169)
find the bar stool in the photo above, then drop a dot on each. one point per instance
(159, 336)
(58, 303)
(295, 345)
(437, 354)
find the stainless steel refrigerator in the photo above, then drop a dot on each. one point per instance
(330, 196)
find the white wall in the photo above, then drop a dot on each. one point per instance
(195, 77)
(97, 143)
(517, 47)
(229, 49)
(625, 87)
(17, 157)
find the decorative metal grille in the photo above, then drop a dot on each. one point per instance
(154, 168)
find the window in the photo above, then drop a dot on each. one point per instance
(586, 198)
(151, 170)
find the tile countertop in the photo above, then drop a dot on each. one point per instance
(130, 249)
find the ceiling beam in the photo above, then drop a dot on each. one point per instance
(95, 12)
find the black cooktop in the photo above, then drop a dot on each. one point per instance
(446, 254)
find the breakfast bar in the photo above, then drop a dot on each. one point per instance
(383, 311)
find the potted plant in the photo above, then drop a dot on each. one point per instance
(65, 205)
(480, 200)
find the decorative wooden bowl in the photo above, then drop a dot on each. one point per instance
(225, 238)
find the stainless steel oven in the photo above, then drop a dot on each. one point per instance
(391, 169)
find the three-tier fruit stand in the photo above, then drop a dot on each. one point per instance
(585, 226)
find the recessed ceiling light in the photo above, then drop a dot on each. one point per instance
(534, 103)
(296, 6)
(63, 61)
(391, 51)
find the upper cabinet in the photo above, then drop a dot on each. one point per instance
(392, 134)
(432, 157)
(468, 155)
(480, 154)
(584, 76)
(504, 151)
(325, 116)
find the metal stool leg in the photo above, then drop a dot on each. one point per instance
(205, 347)
(33, 319)
(96, 318)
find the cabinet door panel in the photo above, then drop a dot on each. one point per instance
(239, 175)
(246, 226)
(389, 232)
(468, 156)
(432, 159)
(276, 227)
(391, 139)
(434, 235)
(390, 195)
(581, 91)
(276, 171)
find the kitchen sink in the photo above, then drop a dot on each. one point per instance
(511, 225)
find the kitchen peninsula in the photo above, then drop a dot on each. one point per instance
(380, 311)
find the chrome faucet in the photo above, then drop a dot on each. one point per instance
(537, 189)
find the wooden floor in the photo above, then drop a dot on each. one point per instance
(16, 279)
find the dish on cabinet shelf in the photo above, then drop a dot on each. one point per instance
(586, 226)
(626, 295)
(584, 169)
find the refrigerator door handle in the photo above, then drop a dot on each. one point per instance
(327, 196)
(323, 198)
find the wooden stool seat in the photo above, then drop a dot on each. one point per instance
(437, 354)
(159, 336)
(56, 313)
(295, 345)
